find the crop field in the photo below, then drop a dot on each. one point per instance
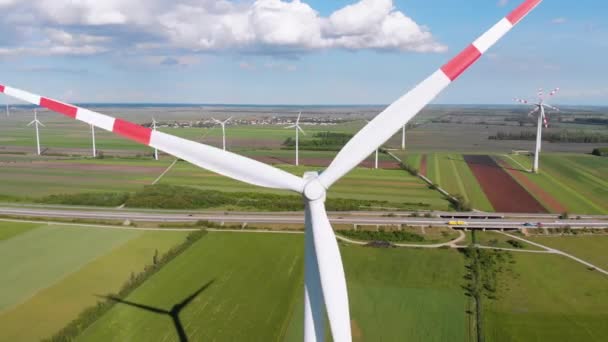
(46, 289)
(36, 178)
(495, 239)
(451, 172)
(248, 281)
(389, 185)
(589, 248)
(550, 298)
(577, 183)
(413, 289)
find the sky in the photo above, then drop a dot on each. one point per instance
(297, 52)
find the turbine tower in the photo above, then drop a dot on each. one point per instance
(376, 158)
(93, 139)
(8, 112)
(325, 290)
(154, 129)
(403, 138)
(298, 130)
(36, 122)
(223, 124)
(540, 110)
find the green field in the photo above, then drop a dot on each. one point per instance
(362, 183)
(550, 298)
(577, 181)
(252, 280)
(10, 229)
(452, 173)
(495, 239)
(255, 293)
(60, 269)
(40, 178)
(589, 248)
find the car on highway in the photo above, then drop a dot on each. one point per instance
(528, 224)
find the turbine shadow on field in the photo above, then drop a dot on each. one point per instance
(174, 312)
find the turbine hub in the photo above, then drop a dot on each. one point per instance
(313, 190)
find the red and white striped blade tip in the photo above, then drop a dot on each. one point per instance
(387, 123)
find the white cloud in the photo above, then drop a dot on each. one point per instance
(250, 26)
(559, 20)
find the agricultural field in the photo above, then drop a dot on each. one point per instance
(495, 239)
(591, 248)
(248, 282)
(550, 298)
(451, 172)
(37, 178)
(45, 290)
(400, 283)
(577, 183)
(388, 185)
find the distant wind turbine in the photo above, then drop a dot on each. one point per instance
(298, 130)
(8, 113)
(154, 129)
(223, 124)
(403, 137)
(539, 107)
(36, 122)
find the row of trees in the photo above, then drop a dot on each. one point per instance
(564, 136)
(321, 141)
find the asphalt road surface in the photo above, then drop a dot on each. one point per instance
(358, 218)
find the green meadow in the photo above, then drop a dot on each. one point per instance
(591, 248)
(451, 172)
(51, 273)
(549, 298)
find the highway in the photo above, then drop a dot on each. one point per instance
(353, 218)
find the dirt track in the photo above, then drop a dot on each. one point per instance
(505, 194)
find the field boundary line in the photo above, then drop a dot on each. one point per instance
(559, 252)
(426, 179)
(459, 180)
(518, 163)
(572, 192)
(165, 172)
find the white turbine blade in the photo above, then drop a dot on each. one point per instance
(301, 130)
(225, 121)
(554, 91)
(210, 158)
(533, 111)
(290, 126)
(387, 123)
(551, 107)
(31, 123)
(40, 123)
(216, 121)
(298, 119)
(331, 271)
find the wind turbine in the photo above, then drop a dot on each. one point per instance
(403, 137)
(298, 130)
(324, 280)
(36, 122)
(154, 129)
(8, 113)
(223, 124)
(539, 109)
